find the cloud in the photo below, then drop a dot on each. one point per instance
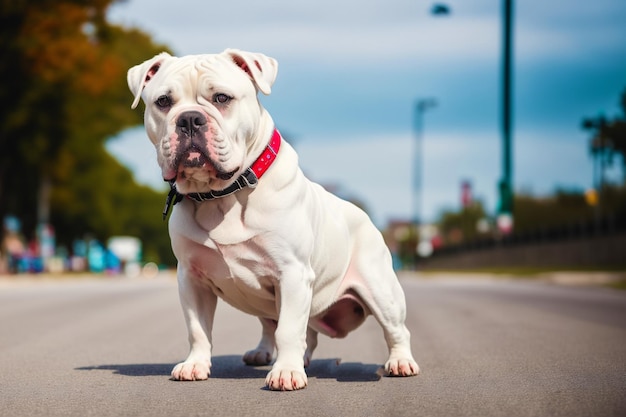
(380, 170)
(545, 160)
(351, 71)
(330, 32)
(377, 31)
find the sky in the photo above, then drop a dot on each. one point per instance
(350, 73)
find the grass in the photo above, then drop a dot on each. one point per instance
(617, 281)
(526, 271)
(619, 285)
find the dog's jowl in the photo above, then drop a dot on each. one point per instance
(251, 229)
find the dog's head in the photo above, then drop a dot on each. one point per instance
(202, 113)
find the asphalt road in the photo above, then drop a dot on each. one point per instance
(486, 347)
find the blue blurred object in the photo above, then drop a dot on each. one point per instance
(112, 262)
(12, 224)
(96, 256)
(79, 247)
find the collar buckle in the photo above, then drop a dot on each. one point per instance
(173, 197)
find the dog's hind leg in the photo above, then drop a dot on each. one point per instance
(391, 317)
(311, 344)
(378, 286)
(264, 352)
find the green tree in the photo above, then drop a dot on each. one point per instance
(461, 226)
(616, 131)
(609, 139)
(65, 94)
(564, 208)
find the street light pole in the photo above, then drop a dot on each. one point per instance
(421, 106)
(505, 209)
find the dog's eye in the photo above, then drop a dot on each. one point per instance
(163, 102)
(221, 98)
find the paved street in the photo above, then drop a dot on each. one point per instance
(486, 347)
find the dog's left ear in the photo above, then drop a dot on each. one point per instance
(139, 75)
(261, 69)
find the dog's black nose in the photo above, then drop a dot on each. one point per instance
(191, 122)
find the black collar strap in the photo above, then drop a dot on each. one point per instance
(249, 178)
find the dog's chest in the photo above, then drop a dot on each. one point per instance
(241, 274)
(235, 260)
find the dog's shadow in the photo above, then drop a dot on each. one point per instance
(232, 367)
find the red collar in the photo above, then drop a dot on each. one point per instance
(265, 160)
(249, 178)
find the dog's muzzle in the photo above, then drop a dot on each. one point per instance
(191, 128)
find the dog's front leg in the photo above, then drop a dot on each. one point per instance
(294, 305)
(198, 305)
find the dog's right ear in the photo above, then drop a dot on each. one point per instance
(139, 75)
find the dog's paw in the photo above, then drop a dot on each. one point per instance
(192, 370)
(401, 367)
(286, 379)
(257, 357)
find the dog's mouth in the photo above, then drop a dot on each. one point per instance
(194, 158)
(195, 162)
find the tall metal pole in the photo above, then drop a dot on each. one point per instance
(418, 160)
(506, 183)
(418, 169)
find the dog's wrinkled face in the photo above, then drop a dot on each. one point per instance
(202, 113)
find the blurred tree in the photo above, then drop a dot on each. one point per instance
(564, 208)
(65, 93)
(564, 212)
(609, 138)
(616, 131)
(461, 226)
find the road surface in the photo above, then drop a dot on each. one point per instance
(486, 347)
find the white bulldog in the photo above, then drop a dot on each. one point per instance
(279, 247)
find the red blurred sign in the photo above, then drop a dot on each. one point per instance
(466, 194)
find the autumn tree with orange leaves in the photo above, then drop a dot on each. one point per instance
(63, 69)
